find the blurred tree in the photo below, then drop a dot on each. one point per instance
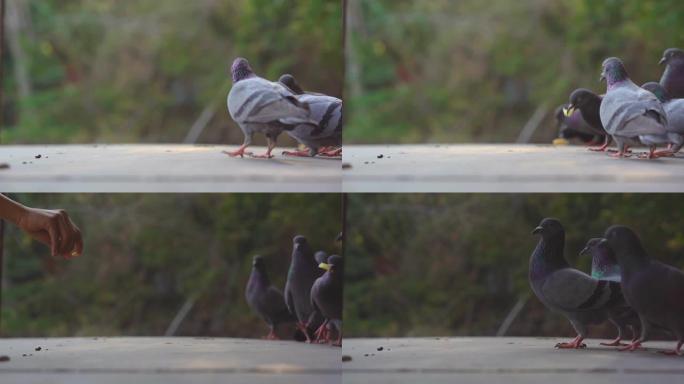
(147, 255)
(425, 265)
(473, 71)
(143, 71)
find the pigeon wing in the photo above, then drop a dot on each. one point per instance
(573, 290)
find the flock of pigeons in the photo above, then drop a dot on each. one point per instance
(626, 287)
(259, 105)
(313, 294)
(651, 115)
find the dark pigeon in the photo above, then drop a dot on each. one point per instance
(265, 299)
(588, 104)
(673, 77)
(290, 82)
(579, 297)
(674, 108)
(300, 277)
(630, 114)
(259, 105)
(321, 257)
(326, 297)
(572, 125)
(655, 290)
(604, 266)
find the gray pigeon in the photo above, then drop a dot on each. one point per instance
(323, 138)
(265, 299)
(653, 289)
(300, 277)
(588, 104)
(579, 297)
(673, 77)
(290, 82)
(604, 266)
(674, 108)
(629, 113)
(259, 105)
(326, 297)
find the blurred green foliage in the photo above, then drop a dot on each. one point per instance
(146, 255)
(143, 71)
(476, 71)
(455, 264)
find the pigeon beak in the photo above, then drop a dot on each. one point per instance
(603, 77)
(537, 230)
(569, 111)
(584, 251)
(603, 242)
(662, 61)
(324, 266)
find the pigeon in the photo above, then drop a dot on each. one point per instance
(582, 299)
(326, 297)
(259, 105)
(589, 104)
(265, 299)
(631, 115)
(674, 108)
(652, 288)
(321, 257)
(290, 82)
(572, 125)
(300, 277)
(673, 77)
(604, 266)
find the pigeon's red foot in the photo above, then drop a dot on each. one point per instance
(576, 343)
(615, 343)
(338, 342)
(619, 155)
(333, 152)
(302, 327)
(602, 148)
(297, 153)
(635, 345)
(676, 352)
(264, 156)
(322, 335)
(664, 153)
(240, 152)
(271, 336)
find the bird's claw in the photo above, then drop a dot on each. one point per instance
(671, 353)
(631, 347)
(264, 156)
(237, 153)
(296, 153)
(614, 343)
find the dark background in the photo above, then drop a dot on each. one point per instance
(456, 264)
(148, 255)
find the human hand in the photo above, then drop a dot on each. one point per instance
(54, 228)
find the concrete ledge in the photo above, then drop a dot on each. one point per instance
(167, 359)
(503, 168)
(502, 360)
(160, 168)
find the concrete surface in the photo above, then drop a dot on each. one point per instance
(167, 360)
(160, 168)
(503, 168)
(502, 360)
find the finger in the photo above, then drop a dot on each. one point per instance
(77, 246)
(42, 236)
(67, 242)
(54, 233)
